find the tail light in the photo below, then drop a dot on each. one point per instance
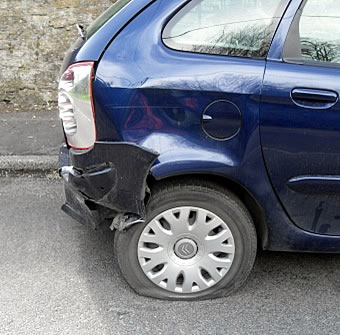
(76, 105)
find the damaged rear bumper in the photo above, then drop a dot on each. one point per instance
(107, 181)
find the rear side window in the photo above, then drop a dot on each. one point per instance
(105, 17)
(242, 28)
(320, 31)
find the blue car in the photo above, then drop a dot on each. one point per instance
(201, 131)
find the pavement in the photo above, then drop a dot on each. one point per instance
(29, 141)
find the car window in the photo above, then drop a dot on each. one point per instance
(320, 31)
(241, 28)
(105, 17)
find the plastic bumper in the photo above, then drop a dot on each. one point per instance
(109, 179)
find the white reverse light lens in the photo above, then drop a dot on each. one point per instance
(67, 114)
(76, 106)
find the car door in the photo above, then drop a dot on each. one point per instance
(300, 116)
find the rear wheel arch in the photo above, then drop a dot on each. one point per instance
(247, 198)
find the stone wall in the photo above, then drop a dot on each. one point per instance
(34, 35)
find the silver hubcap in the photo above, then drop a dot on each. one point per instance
(186, 249)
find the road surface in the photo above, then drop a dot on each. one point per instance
(58, 277)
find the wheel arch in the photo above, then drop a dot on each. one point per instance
(255, 209)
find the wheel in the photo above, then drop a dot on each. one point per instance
(198, 242)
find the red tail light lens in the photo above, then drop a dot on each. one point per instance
(76, 105)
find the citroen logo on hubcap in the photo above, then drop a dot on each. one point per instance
(185, 248)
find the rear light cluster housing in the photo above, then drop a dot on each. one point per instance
(76, 109)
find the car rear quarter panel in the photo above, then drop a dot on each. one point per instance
(151, 95)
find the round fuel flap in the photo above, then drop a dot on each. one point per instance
(221, 120)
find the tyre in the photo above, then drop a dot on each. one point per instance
(198, 242)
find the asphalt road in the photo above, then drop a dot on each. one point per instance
(57, 277)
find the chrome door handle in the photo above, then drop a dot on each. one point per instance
(312, 95)
(314, 99)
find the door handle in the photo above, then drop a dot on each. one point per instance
(309, 97)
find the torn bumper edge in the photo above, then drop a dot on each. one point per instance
(106, 181)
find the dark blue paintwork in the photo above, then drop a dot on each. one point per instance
(302, 140)
(155, 97)
(93, 48)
